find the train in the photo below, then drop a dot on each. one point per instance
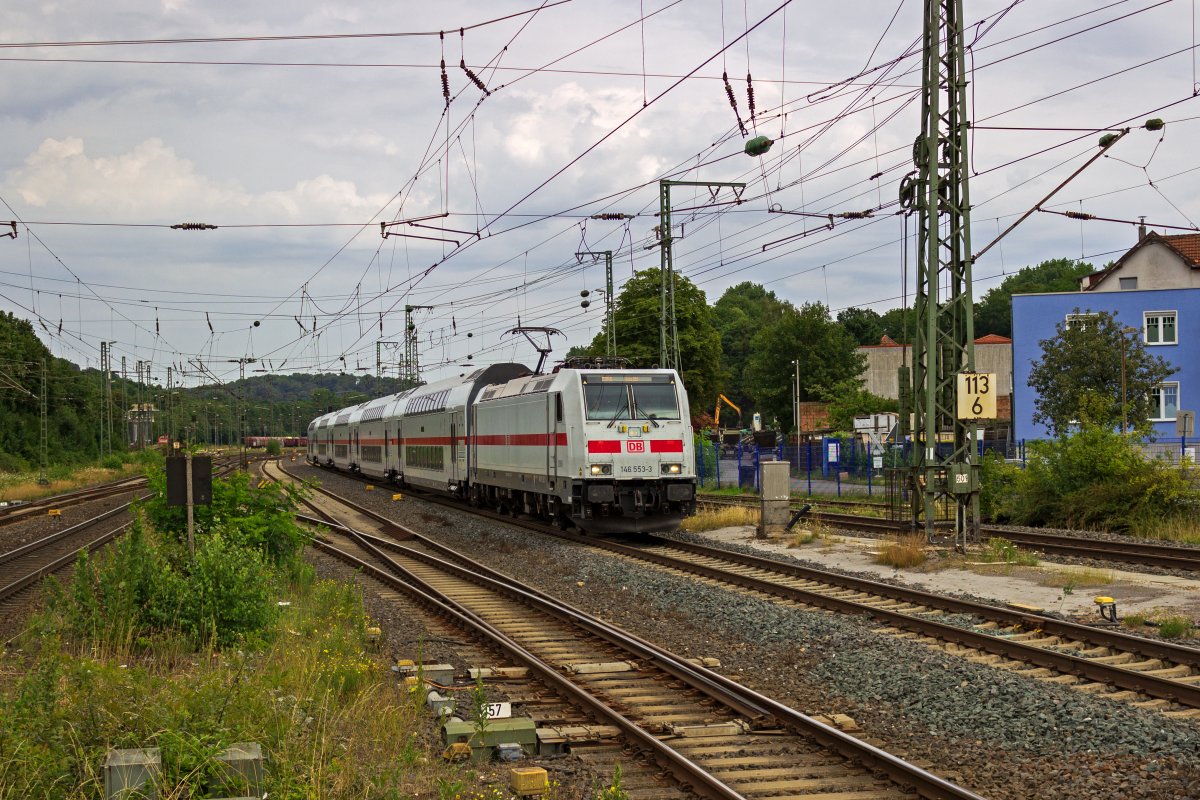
(606, 450)
(286, 441)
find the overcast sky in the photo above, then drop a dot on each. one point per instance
(298, 148)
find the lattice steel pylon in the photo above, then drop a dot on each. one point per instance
(945, 468)
(410, 370)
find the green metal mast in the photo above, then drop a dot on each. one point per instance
(945, 464)
(610, 326)
(411, 370)
(668, 331)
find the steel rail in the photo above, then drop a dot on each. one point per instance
(687, 772)
(906, 774)
(1151, 685)
(41, 572)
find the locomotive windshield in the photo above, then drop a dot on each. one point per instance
(630, 397)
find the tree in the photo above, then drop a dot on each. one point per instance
(848, 399)
(739, 314)
(993, 313)
(637, 315)
(899, 324)
(826, 353)
(863, 324)
(1078, 380)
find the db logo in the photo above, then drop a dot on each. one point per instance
(635, 446)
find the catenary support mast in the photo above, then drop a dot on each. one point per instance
(945, 462)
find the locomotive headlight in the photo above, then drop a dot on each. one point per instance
(602, 469)
(672, 469)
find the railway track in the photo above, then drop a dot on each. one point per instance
(23, 511)
(24, 566)
(715, 737)
(1143, 672)
(1144, 553)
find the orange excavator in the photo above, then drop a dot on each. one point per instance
(727, 439)
(717, 413)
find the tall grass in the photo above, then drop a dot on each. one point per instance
(326, 710)
(904, 550)
(727, 517)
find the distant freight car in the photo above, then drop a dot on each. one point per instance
(286, 441)
(607, 450)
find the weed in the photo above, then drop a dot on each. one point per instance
(1134, 621)
(1003, 551)
(479, 710)
(906, 550)
(728, 517)
(613, 791)
(1175, 628)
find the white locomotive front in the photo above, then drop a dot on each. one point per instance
(608, 450)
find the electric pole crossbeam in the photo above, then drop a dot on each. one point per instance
(945, 465)
(668, 337)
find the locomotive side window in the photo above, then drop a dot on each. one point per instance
(656, 400)
(558, 409)
(606, 401)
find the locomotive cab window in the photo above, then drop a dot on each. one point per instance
(614, 397)
(606, 401)
(656, 401)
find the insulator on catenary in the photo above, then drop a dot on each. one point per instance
(1078, 215)
(474, 78)
(445, 84)
(750, 95)
(193, 226)
(733, 103)
(610, 215)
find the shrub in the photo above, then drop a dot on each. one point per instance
(257, 518)
(274, 447)
(1175, 628)
(1095, 478)
(229, 592)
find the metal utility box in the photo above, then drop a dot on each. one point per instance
(130, 774)
(528, 781)
(776, 492)
(962, 479)
(517, 730)
(434, 674)
(242, 770)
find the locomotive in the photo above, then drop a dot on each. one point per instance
(605, 450)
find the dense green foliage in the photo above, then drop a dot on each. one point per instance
(1093, 479)
(825, 352)
(993, 312)
(848, 399)
(637, 315)
(72, 399)
(148, 584)
(864, 325)
(1079, 378)
(740, 313)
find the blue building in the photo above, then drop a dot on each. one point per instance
(1155, 288)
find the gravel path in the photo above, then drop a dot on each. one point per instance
(1003, 736)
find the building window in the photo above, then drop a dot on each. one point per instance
(1078, 321)
(1160, 327)
(1128, 283)
(1166, 401)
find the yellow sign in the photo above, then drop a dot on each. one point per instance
(397, 497)
(55, 512)
(976, 395)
